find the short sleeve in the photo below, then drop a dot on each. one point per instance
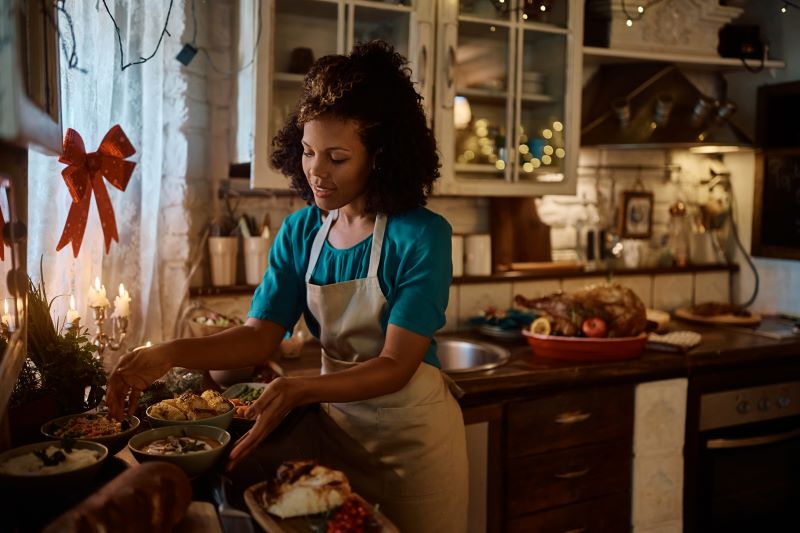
(423, 282)
(281, 295)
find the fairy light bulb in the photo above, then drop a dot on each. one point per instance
(640, 9)
(783, 8)
(629, 23)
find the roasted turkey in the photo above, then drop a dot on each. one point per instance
(620, 308)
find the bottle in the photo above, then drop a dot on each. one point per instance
(679, 234)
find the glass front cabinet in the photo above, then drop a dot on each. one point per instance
(508, 96)
(296, 32)
(501, 82)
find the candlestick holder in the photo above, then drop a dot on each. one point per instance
(119, 327)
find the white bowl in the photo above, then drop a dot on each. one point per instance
(221, 421)
(48, 480)
(193, 463)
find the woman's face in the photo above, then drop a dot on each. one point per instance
(335, 161)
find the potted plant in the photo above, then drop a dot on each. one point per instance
(60, 372)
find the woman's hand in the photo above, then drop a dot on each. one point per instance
(278, 398)
(134, 372)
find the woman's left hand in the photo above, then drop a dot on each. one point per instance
(278, 398)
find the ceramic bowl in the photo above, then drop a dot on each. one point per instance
(193, 463)
(114, 442)
(48, 479)
(585, 348)
(221, 421)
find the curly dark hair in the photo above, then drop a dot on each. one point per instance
(371, 85)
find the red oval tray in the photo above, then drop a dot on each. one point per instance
(584, 348)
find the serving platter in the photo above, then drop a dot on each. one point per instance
(727, 319)
(585, 348)
(300, 524)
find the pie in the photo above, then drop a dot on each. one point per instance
(304, 488)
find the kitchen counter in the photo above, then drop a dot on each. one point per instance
(525, 373)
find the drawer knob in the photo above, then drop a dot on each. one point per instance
(572, 417)
(572, 475)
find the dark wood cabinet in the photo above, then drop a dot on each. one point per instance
(568, 461)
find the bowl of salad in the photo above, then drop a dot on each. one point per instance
(242, 396)
(96, 427)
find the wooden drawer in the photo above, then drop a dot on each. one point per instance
(570, 419)
(610, 514)
(564, 477)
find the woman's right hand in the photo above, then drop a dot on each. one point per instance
(134, 372)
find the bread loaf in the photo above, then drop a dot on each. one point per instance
(151, 497)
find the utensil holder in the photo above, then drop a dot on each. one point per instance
(256, 258)
(222, 252)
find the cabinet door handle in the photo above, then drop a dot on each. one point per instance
(423, 65)
(572, 417)
(451, 65)
(577, 530)
(572, 475)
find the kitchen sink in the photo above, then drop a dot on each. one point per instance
(461, 355)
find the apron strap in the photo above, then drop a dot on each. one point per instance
(319, 241)
(377, 245)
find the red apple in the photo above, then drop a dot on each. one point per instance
(594, 327)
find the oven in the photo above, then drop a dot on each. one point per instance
(742, 454)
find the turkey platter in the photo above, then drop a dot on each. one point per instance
(605, 310)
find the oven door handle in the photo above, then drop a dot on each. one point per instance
(719, 444)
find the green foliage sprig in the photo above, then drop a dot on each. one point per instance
(62, 363)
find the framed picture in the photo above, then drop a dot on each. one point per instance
(636, 218)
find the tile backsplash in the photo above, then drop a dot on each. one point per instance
(659, 291)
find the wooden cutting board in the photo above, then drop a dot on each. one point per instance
(722, 320)
(298, 524)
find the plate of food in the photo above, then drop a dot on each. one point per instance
(720, 314)
(599, 323)
(305, 496)
(242, 395)
(96, 427)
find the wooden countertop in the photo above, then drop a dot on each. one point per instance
(720, 348)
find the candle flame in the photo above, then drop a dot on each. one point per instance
(72, 302)
(97, 283)
(121, 289)
(148, 344)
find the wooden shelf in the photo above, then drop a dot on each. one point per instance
(288, 77)
(600, 55)
(240, 290)
(469, 168)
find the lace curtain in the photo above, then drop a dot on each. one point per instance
(96, 95)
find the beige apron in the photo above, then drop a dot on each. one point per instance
(416, 433)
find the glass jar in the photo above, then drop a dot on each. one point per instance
(679, 234)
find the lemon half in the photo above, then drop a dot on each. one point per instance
(541, 326)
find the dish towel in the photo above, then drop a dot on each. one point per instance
(674, 341)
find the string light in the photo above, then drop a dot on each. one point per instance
(783, 8)
(191, 48)
(141, 60)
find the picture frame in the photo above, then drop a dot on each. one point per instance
(636, 215)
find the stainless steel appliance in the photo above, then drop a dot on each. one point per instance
(743, 453)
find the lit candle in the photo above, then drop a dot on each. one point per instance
(122, 303)
(72, 314)
(97, 294)
(148, 344)
(6, 318)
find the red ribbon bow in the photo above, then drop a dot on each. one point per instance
(85, 173)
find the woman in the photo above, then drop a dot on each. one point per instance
(370, 268)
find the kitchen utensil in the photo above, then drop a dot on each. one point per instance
(585, 349)
(233, 520)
